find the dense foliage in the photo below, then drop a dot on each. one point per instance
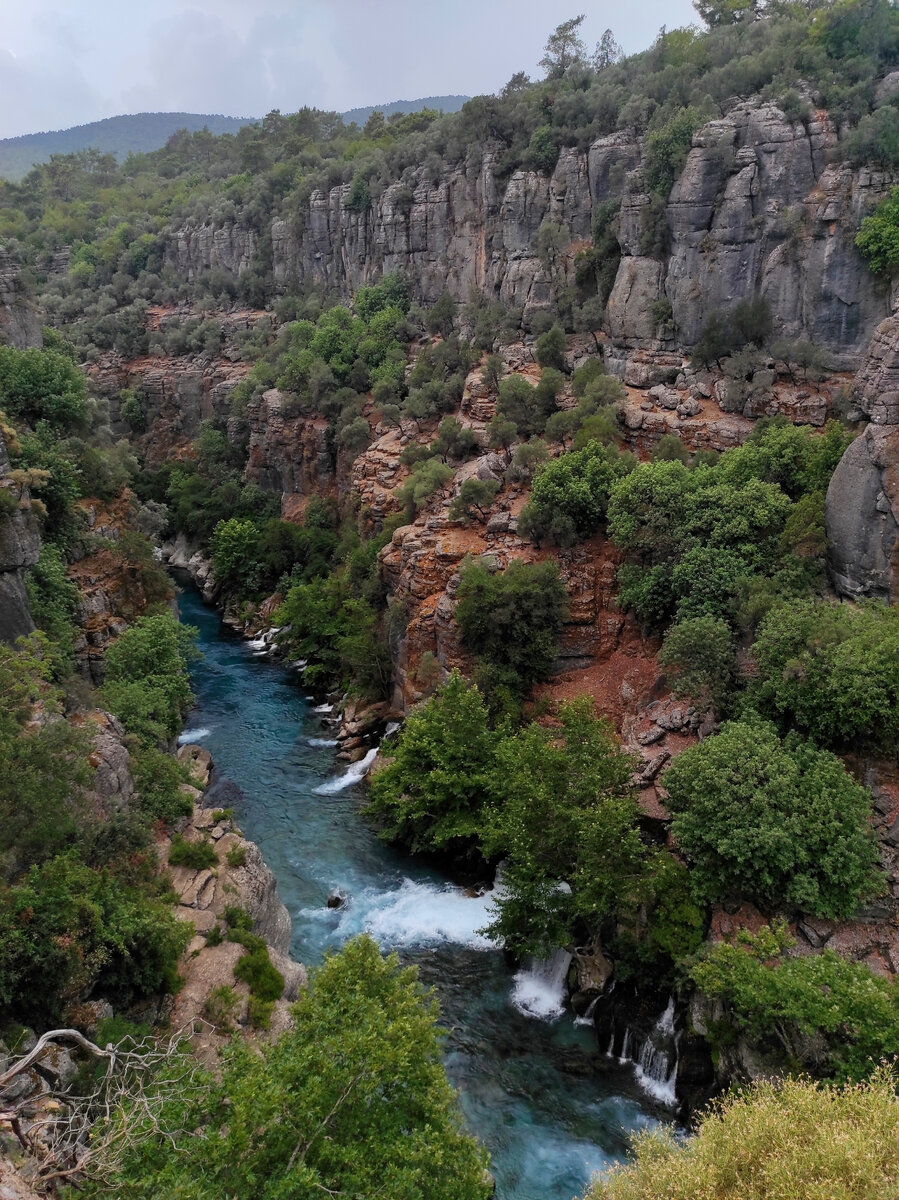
(512, 619)
(831, 671)
(782, 998)
(780, 822)
(147, 684)
(431, 794)
(352, 1100)
(788, 1138)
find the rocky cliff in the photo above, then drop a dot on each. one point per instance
(19, 323)
(758, 208)
(863, 497)
(20, 547)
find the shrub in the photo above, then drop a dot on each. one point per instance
(790, 827)
(667, 149)
(157, 779)
(878, 238)
(474, 494)
(255, 970)
(518, 403)
(221, 1005)
(147, 684)
(831, 671)
(551, 347)
(699, 655)
(513, 618)
(775, 996)
(771, 1139)
(236, 856)
(196, 855)
(68, 930)
(570, 494)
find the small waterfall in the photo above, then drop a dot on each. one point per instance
(587, 1018)
(539, 989)
(189, 736)
(353, 774)
(655, 1063)
(265, 643)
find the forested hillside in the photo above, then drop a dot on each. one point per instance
(553, 441)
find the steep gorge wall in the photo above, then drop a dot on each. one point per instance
(757, 208)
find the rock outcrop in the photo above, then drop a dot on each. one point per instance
(863, 515)
(863, 496)
(20, 547)
(757, 209)
(19, 323)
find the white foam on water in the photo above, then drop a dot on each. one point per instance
(539, 987)
(323, 708)
(420, 914)
(353, 774)
(193, 735)
(322, 742)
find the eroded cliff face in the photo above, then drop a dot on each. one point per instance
(20, 547)
(863, 496)
(757, 209)
(19, 322)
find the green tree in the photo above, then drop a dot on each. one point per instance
(564, 48)
(513, 618)
(570, 494)
(667, 149)
(831, 671)
(431, 795)
(43, 771)
(236, 555)
(788, 828)
(67, 929)
(519, 404)
(353, 1101)
(147, 684)
(474, 494)
(442, 315)
(550, 348)
(41, 385)
(775, 996)
(566, 825)
(878, 238)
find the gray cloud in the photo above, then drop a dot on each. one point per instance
(66, 63)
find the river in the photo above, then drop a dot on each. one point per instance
(549, 1106)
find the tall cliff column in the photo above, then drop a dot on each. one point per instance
(20, 547)
(863, 497)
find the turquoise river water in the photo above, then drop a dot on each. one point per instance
(534, 1086)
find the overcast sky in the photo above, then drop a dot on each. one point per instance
(64, 64)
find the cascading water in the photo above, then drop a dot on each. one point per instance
(539, 989)
(655, 1064)
(535, 1091)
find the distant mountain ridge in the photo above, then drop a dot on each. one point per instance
(135, 133)
(447, 104)
(139, 133)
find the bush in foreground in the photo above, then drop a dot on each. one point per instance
(795, 1138)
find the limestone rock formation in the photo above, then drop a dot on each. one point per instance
(863, 514)
(19, 324)
(757, 208)
(20, 547)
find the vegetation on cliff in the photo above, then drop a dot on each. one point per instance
(353, 1100)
